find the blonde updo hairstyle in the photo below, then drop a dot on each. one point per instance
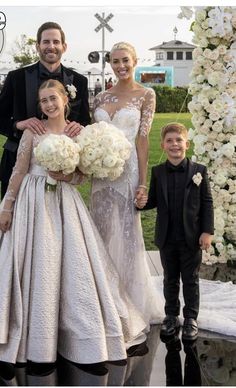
(60, 89)
(124, 46)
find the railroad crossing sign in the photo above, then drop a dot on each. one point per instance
(103, 22)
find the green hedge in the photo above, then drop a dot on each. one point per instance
(171, 99)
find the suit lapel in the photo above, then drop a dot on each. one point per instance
(163, 176)
(68, 76)
(31, 89)
(192, 169)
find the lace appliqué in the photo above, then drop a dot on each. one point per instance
(144, 102)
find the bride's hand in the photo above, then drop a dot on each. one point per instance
(140, 192)
(59, 176)
(141, 202)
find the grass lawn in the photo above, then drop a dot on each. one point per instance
(155, 157)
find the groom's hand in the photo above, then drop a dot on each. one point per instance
(33, 124)
(72, 128)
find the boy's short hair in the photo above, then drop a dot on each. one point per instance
(174, 127)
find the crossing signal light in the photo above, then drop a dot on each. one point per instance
(93, 57)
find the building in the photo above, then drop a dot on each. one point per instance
(177, 54)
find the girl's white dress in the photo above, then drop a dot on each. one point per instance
(56, 277)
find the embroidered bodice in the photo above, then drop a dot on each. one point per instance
(133, 114)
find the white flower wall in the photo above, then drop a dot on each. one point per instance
(213, 108)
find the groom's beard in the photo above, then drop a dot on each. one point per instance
(46, 56)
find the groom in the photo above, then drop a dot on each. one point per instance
(18, 99)
(180, 191)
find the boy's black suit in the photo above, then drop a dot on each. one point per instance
(178, 228)
(197, 209)
(19, 101)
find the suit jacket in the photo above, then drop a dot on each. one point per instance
(19, 101)
(198, 214)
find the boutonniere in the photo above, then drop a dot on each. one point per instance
(71, 89)
(197, 178)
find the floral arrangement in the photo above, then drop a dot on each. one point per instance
(71, 91)
(213, 109)
(104, 150)
(57, 153)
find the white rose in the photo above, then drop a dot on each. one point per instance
(233, 20)
(220, 179)
(228, 149)
(220, 247)
(214, 116)
(222, 49)
(217, 126)
(233, 140)
(215, 40)
(212, 135)
(200, 15)
(110, 160)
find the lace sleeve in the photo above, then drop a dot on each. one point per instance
(147, 112)
(19, 171)
(96, 103)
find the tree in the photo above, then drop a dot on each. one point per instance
(25, 52)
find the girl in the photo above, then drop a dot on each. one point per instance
(55, 274)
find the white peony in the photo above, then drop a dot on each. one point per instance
(104, 150)
(57, 153)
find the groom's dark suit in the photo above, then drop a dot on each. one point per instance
(18, 101)
(184, 212)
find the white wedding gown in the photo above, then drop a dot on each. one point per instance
(112, 202)
(119, 224)
(58, 288)
(217, 305)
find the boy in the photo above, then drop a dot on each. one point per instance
(180, 191)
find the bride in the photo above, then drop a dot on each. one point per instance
(130, 107)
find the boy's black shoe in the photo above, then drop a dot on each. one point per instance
(190, 330)
(170, 326)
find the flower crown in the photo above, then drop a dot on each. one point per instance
(71, 91)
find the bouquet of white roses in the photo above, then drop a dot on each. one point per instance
(57, 153)
(104, 150)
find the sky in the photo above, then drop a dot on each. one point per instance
(144, 26)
